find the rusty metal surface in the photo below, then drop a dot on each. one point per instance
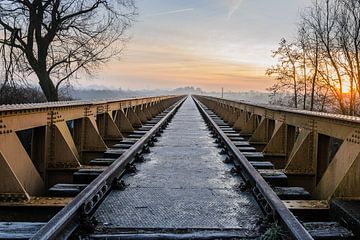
(183, 185)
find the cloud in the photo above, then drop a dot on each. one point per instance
(234, 6)
(171, 12)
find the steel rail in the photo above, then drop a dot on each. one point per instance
(295, 228)
(67, 219)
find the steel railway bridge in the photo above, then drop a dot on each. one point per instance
(177, 167)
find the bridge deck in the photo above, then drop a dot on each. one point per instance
(183, 185)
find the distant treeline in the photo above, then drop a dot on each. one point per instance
(25, 94)
(90, 94)
(15, 95)
(29, 94)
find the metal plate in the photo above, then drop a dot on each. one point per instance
(183, 185)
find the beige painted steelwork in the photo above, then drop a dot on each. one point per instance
(318, 151)
(61, 137)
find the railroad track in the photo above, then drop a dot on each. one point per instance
(268, 185)
(93, 185)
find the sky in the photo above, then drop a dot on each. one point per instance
(211, 44)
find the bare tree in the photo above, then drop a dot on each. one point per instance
(286, 73)
(324, 21)
(349, 42)
(303, 48)
(309, 45)
(57, 39)
(328, 45)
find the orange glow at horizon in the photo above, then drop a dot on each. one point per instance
(206, 44)
(184, 67)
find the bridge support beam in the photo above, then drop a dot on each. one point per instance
(133, 118)
(230, 116)
(250, 125)
(123, 123)
(10, 186)
(108, 129)
(61, 154)
(161, 107)
(301, 165)
(148, 114)
(262, 134)
(88, 139)
(153, 109)
(240, 122)
(341, 178)
(140, 113)
(276, 148)
(62, 150)
(19, 178)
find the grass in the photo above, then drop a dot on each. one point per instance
(274, 232)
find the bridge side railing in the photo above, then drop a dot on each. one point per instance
(42, 144)
(319, 151)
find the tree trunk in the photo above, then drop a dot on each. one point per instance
(352, 97)
(313, 90)
(323, 100)
(316, 67)
(295, 96)
(295, 86)
(313, 85)
(47, 86)
(305, 77)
